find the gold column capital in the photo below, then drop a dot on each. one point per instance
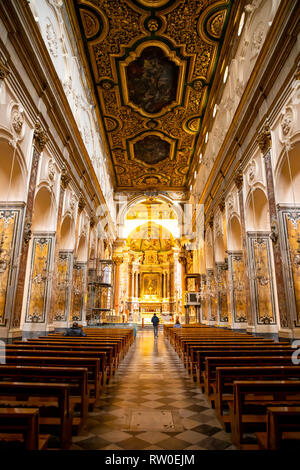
(4, 71)
(81, 203)
(117, 259)
(40, 137)
(264, 138)
(238, 178)
(65, 178)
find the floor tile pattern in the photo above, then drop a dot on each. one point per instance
(152, 404)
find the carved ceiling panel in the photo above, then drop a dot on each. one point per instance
(152, 65)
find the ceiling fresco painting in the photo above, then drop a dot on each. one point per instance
(151, 149)
(152, 65)
(152, 80)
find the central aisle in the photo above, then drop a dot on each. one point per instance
(152, 403)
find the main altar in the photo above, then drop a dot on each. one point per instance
(148, 274)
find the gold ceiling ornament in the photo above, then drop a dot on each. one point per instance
(152, 65)
(153, 3)
(215, 24)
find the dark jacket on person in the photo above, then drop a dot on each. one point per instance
(74, 332)
(155, 320)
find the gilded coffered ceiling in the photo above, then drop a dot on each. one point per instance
(152, 65)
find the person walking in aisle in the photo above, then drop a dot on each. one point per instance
(155, 321)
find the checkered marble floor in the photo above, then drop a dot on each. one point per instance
(152, 404)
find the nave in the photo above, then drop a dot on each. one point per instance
(152, 403)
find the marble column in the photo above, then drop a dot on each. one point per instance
(117, 260)
(64, 181)
(239, 184)
(172, 283)
(40, 139)
(182, 260)
(213, 304)
(130, 287)
(264, 142)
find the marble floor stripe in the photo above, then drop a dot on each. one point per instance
(152, 403)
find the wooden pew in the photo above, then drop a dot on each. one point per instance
(283, 429)
(226, 376)
(90, 363)
(190, 356)
(21, 424)
(38, 395)
(62, 352)
(251, 400)
(76, 377)
(235, 352)
(211, 364)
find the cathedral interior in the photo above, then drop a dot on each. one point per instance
(149, 166)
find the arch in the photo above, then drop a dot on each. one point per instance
(12, 173)
(44, 211)
(82, 249)
(288, 177)
(161, 212)
(234, 234)
(257, 211)
(67, 233)
(141, 198)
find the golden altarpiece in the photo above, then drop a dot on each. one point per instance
(149, 270)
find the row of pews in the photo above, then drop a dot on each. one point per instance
(49, 384)
(250, 381)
